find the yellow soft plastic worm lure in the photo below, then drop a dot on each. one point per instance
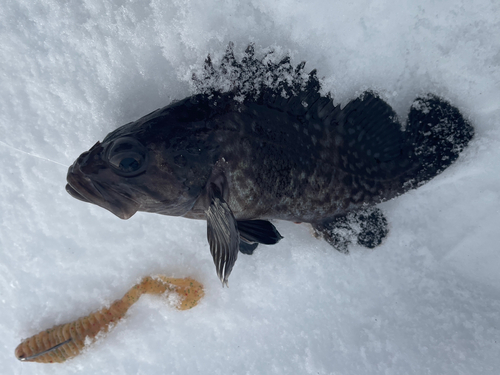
(67, 340)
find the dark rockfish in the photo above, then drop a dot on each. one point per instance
(272, 147)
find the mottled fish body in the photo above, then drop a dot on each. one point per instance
(285, 152)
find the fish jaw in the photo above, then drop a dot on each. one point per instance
(84, 189)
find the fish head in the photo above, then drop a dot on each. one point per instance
(142, 166)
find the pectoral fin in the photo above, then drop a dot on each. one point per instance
(222, 234)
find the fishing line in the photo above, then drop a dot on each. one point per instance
(30, 154)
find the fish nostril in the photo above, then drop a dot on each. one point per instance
(94, 154)
(82, 158)
(90, 162)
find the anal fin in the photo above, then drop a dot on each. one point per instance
(367, 227)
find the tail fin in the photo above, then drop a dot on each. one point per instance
(437, 132)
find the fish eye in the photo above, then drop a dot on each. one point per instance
(127, 157)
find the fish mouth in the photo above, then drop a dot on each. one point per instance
(86, 190)
(76, 194)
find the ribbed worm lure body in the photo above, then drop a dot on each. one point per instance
(67, 340)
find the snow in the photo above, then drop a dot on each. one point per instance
(424, 302)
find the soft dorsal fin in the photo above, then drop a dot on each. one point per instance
(369, 137)
(371, 124)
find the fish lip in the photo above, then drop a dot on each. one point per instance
(86, 190)
(75, 194)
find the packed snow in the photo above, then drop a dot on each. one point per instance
(426, 301)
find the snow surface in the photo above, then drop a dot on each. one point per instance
(424, 302)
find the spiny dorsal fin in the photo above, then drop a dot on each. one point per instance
(271, 80)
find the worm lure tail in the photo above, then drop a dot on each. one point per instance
(67, 340)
